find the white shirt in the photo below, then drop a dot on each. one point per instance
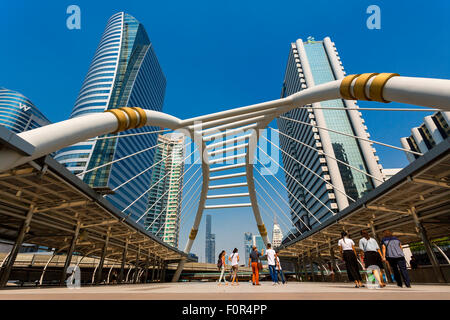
(368, 245)
(270, 253)
(234, 259)
(347, 244)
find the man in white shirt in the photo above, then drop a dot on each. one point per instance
(271, 261)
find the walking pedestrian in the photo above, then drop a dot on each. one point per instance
(271, 255)
(393, 253)
(234, 258)
(348, 253)
(254, 263)
(372, 255)
(221, 263)
(279, 269)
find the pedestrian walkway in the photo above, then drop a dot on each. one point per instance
(245, 291)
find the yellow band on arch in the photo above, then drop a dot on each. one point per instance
(377, 86)
(344, 89)
(359, 89)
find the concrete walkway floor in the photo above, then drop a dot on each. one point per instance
(245, 291)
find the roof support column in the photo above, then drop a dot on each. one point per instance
(136, 265)
(158, 275)
(147, 262)
(311, 265)
(304, 269)
(124, 260)
(426, 242)
(16, 247)
(102, 258)
(69, 254)
(153, 267)
(163, 271)
(320, 261)
(297, 267)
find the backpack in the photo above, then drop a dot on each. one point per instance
(219, 263)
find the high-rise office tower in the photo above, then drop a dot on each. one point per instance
(164, 198)
(210, 242)
(18, 113)
(248, 243)
(433, 130)
(277, 234)
(312, 63)
(124, 72)
(258, 242)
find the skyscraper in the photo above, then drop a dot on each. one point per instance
(277, 234)
(164, 198)
(18, 113)
(248, 243)
(210, 242)
(258, 242)
(124, 72)
(309, 64)
(433, 130)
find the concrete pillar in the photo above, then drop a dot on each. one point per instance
(136, 265)
(297, 272)
(124, 260)
(426, 242)
(102, 258)
(70, 253)
(16, 247)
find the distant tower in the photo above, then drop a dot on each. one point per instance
(210, 242)
(165, 196)
(248, 243)
(18, 113)
(277, 234)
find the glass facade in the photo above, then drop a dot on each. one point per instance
(248, 243)
(124, 72)
(346, 149)
(164, 199)
(18, 113)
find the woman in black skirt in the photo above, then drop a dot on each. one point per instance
(348, 252)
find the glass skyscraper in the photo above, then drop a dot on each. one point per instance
(18, 113)
(248, 243)
(124, 72)
(312, 63)
(210, 242)
(164, 199)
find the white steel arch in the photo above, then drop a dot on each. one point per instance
(384, 87)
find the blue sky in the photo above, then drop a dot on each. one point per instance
(222, 54)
